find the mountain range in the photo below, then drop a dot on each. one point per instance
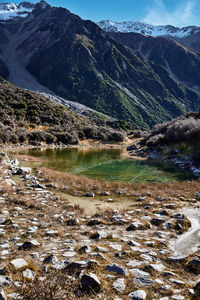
(130, 76)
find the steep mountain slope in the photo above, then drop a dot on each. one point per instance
(77, 60)
(187, 36)
(32, 118)
(182, 64)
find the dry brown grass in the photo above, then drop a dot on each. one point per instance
(84, 184)
(58, 286)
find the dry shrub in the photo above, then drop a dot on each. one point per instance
(55, 286)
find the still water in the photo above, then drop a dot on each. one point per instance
(108, 165)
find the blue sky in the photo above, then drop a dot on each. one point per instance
(156, 12)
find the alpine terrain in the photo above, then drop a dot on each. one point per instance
(50, 50)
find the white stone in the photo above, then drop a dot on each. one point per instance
(19, 263)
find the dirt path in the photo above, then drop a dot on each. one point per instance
(189, 242)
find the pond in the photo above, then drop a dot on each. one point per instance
(108, 165)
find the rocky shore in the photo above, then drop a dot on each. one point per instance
(49, 245)
(183, 162)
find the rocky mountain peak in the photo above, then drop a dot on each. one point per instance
(11, 10)
(147, 29)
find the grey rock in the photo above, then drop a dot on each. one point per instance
(73, 222)
(28, 274)
(19, 263)
(23, 171)
(194, 266)
(114, 268)
(176, 281)
(133, 243)
(29, 245)
(105, 194)
(84, 249)
(178, 259)
(135, 226)
(99, 235)
(90, 282)
(90, 195)
(178, 216)
(157, 221)
(152, 268)
(51, 259)
(2, 295)
(101, 249)
(94, 222)
(143, 281)
(131, 148)
(138, 272)
(119, 285)
(138, 295)
(5, 280)
(76, 266)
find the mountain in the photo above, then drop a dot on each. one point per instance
(28, 117)
(12, 10)
(147, 29)
(188, 36)
(51, 50)
(182, 64)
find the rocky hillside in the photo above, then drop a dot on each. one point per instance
(28, 117)
(53, 249)
(176, 141)
(168, 58)
(52, 49)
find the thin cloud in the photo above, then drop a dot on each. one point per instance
(182, 15)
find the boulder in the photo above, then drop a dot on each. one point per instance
(5, 281)
(29, 245)
(135, 226)
(51, 259)
(90, 195)
(143, 281)
(19, 263)
(84, 249)
(2, 295)
(23, 171)
(119, 285)
(194, 266)
(90, 282)
(131, 148)
(157, 221)
(138, 295)
(114, 268)
(197, 289)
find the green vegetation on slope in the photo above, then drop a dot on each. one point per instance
(28, 117)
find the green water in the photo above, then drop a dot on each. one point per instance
(108, 165)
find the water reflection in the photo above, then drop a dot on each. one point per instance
(108, 165)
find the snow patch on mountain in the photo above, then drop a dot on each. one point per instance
(146, 29)
(11, 10)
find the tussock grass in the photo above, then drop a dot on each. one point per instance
(77, 183)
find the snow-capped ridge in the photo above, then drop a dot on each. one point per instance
(147, 29)
(11, 10)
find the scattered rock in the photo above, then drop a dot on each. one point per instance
(51, 259)
(90, 195)
(114, 268)
(19, 263)
(119, 285)
(90, 282)
(2, 295)
(138, 295)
